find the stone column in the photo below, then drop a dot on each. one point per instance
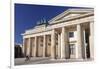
(23, 47)
(35, 46)
(31, 47)
(84, 44)
(28, 47)
(91, 40)
(44, 45)
(53, 55)
(59, 45)
(64, 44)
(79, 42)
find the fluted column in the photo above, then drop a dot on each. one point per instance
(79, 42)
(64, 44)
(28, 47)
(44, 45)
(35, 46)
(53, 56)
(91, 40)
(59, 45)
(25, 47)
(84, 44)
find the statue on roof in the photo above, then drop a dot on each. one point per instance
(42, 21)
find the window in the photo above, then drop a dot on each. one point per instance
(72, 49)
(71, 34)
(49, 44)
(41, 40)
(41, 45)
(49, 39)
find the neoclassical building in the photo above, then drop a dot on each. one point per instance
(68, 35)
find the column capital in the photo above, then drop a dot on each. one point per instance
(78, 24)
(29, 38)
(53, 30)
(63, 27)
(91, 21)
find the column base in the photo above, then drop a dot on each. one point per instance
(52, 59)
(63, 59)
(44, 57)
(92, 58)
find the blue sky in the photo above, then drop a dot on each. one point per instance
(27, 15)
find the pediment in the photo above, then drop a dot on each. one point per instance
(68, 16)
(70, 13)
